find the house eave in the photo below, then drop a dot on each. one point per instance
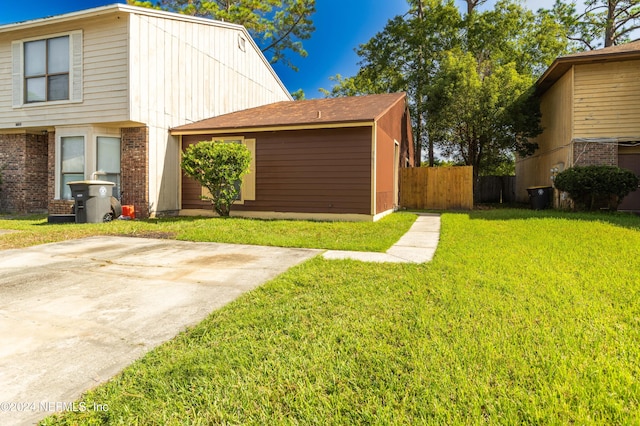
(562, 64)
(275, 128)
(124, 8)
(110, 9)
(402, 97)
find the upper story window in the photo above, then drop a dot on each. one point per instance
(46, 70)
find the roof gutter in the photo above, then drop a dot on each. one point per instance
(112, 8)
(275, 128)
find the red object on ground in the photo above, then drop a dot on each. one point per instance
(129, 211)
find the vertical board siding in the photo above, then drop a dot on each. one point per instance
(199, 65)
(305, 171)
(104, 70)
(439, 188)
(184, 72)
(389, 131)
(554, 144)
(607, 99)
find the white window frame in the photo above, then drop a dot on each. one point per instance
(75, 70)
(248, 187)
(58, 168)
(118, 186)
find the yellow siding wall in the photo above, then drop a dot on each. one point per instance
(105, 68)
(554, 143)
(607, 100)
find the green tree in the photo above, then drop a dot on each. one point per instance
(404, 57)
(481, 115)
(278, 26)
(468, 77)
(298, 95)
(219, 167)
(608, 22)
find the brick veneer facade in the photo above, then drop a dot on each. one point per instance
(134, 164)
(595, 153)
(28, 172)
(55, 206)
(23, 158)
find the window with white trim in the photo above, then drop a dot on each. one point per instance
(71, 163)
(47, 69)
(108, 161)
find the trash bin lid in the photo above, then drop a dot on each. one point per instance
(539, 187)
(91, 182)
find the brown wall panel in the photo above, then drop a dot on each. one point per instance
(390, 130)
(303, 171)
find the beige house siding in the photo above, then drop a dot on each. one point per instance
(104, 60)
(607, 100)
(184, 71)
(142, 69)
(554, 144)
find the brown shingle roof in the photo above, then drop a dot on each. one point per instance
(634, 46)
(562, 64)
(299, 113)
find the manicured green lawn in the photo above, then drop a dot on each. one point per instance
(359, 236)
(521, 318)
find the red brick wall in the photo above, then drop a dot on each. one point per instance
(23, 158)
(135, 169)
(595, 154)
(55, 206)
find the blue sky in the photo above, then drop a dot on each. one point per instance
(341, 25)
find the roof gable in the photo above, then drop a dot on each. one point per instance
(562, 64)
(352, 109)
(110, 9)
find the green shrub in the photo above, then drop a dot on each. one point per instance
(591, 186)
(219, 167)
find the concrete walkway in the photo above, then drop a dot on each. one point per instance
(416, 246)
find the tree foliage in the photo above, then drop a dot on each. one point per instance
(608, 22)
(278, 26)
(468, 77)
(219, 167)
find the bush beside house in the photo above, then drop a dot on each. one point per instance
(219, 167)
(593, 187)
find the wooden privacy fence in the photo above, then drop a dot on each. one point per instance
(439, 188)
(495, 189)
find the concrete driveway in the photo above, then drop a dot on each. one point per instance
(73, 314)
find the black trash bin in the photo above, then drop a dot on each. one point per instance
(92, 200)
(540, 197)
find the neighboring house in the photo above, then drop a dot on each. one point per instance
(335, 158)
(97, 90)
(590, 104)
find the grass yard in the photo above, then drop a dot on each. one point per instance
(521, 318)
(359, 236)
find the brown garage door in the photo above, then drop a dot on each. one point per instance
(631, 162)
